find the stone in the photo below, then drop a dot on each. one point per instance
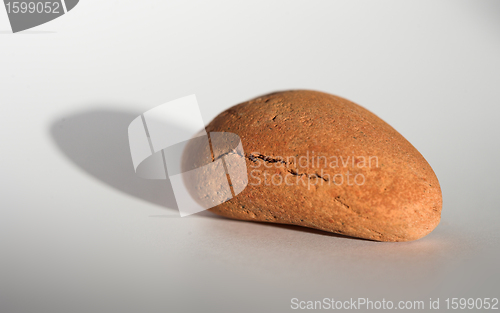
(320, 161)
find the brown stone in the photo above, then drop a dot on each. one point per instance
(381, 189)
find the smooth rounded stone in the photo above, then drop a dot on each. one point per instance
(321, 161)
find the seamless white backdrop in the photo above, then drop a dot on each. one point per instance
(80, 233)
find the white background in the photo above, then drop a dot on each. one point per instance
(79, 232)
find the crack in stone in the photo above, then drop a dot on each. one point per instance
(338, 200)
(254, 157)
(232, 152)
(268, 159)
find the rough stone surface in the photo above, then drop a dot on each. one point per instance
(398, 199)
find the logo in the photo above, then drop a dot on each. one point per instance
(31, 13)
(205, 169)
